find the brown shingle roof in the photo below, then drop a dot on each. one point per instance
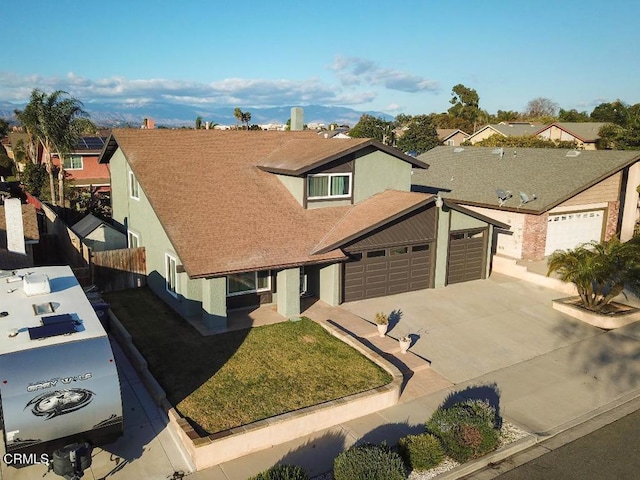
(583, 131)
(370, 214)
(221, 212)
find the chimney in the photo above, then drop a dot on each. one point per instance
(15, 228)
(148, 123)
(297, 119)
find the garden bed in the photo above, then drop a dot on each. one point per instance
(615, 315)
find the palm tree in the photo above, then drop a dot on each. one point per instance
(50, 119)
(600, 271)
(246, 118)
(238, 114)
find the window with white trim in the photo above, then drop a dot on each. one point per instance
(329, 185)
(248, 282)
(73, 162)
(133, 239)
(171, 274)
(134, 188)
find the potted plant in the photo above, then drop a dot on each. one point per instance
(405, 343)
(383, 323)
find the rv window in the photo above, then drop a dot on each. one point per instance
(42, 308)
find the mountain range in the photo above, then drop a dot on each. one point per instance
(177, 115)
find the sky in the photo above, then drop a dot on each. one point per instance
(395, 57)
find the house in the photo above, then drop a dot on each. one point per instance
(19, 234)
(452, 137)
(504, 129)
(82, 167)
(99, 235)
(233, 219)
(584, 134)
(552, 198)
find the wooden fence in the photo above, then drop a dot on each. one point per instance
(113, 270)
(109, 270)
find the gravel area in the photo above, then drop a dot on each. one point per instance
(508, 434)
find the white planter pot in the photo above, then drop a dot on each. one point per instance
(382, 329)
(404, 345)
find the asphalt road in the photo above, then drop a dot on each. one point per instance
(610, 453)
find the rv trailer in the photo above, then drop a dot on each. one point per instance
(58, 379)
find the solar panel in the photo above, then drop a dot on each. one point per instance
(53, 319)
(53, 330)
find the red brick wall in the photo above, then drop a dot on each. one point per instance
(534, 236)
(613, 210)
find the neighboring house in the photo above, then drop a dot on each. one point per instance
(14, 141)
(584, 134)
(552, 198)
(99, 235)
(452, 137)
(82, 167)
(504, 129)
(265, 217)
(24, 222)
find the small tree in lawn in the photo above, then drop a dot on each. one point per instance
(600, 271)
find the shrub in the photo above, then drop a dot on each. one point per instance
(283, 472)
(420, 452)
(369, 462)
(466, 430)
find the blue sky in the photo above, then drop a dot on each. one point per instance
(395, 57)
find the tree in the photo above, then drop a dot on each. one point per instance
(371, 127)
(466, 105)
(238, 114)
(198, 123)
(419, 136)
(573, 116)
(614, 112)
(540, 107)
(525, 141)
(84, 126)
(34, 178)
(246, 118)
(4, 127)
(50, 119)
(600, 271)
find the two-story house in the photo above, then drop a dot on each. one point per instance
(233, 219)
(82, 167)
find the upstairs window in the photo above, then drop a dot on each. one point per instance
(329, 185)
(134, 189)
(134, 239)
(73, 162)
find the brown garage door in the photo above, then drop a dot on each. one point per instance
(375, 273)
(466, 255)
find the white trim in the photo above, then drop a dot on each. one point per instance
(258, 290)
(168, 261)
(330, 175)
(132, 178)
(131, 234)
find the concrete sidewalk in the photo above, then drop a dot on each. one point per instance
(553, 372)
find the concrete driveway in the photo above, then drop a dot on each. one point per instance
(551, 369)
(469, 329)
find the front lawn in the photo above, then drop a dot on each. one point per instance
(232, 379)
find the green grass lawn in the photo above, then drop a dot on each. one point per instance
(232, 379)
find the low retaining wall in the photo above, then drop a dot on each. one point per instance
(224, 446)
(600, 320)
(509, 266)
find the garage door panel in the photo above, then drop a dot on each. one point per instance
(566, 231)
(407, 269)
(466, 255)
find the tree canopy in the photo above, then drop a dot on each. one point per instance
(420, 135)
(371, 127)
(465, 106)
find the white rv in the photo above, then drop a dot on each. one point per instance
(58, 378)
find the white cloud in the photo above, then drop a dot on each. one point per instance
(359, 71)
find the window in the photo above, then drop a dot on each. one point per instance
(329, 185)
(248, 282)
(398, 250)
(73, 162)
(171, 274)
(420, 248)
(133, 186)
(451, 142)
(376, 253)
(134, 239)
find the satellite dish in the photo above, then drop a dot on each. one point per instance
(503, 196)
(524, 198)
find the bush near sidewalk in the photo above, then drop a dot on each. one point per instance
(369, 462)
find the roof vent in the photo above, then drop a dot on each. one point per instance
(458, 150)
(573, 153)
(36, 284)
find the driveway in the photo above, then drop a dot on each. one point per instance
(470, 329)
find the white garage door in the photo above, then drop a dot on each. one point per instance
(568, 230)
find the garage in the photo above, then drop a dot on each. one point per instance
(568, 230)
(386, 271)
(467, 253)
